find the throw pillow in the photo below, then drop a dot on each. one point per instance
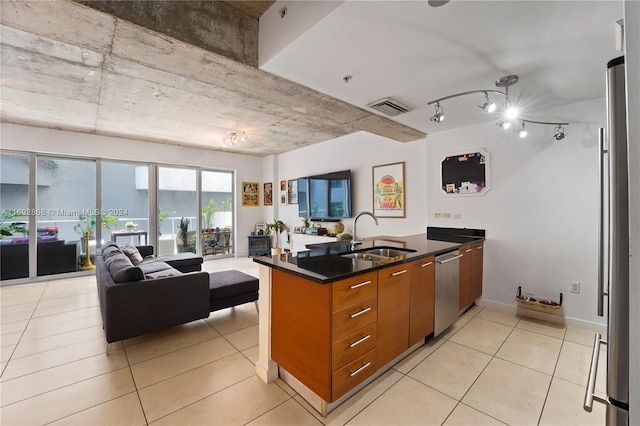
(164, 273)
(132, 253)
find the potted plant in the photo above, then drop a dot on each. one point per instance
(306, 222)
(183, 227)
(207, 213)
(276, 228)
(130, 226)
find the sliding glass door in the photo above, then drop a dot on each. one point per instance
(178, 217)
(217, 212)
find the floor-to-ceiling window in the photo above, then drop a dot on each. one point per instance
(14, 205)
(66, 202)
(125, 203)
(178, 210)
(217, 213)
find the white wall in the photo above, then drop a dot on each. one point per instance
(248, 168)
(541, 213)
(359, 152)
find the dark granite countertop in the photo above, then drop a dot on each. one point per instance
(323, 263)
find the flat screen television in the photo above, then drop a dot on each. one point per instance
(325, 197)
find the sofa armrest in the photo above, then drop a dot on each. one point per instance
(139, 307)
(145, 250)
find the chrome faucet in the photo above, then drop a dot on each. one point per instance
(355, 241)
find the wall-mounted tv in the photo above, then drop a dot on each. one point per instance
(325, 197)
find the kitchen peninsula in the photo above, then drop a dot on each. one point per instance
(332, 319)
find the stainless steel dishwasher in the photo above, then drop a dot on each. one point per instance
(447, 289)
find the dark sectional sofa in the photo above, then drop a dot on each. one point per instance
(157, 293)
(54, 257)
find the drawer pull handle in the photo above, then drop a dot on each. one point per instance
(353, 373)
(479, 248)
(467, 250)
(357, 314)
(395, 274)
(359, 285)
(426, 264)
(357, 342)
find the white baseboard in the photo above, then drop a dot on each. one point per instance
(543, 316)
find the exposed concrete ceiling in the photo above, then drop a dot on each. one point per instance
(71, 67)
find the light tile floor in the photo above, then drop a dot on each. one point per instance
(490, 367)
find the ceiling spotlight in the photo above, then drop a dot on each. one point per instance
(233, 138)
(522, 132)
(504, 124)
(559, 133)
(488, 106)
(511, 112)
(438, 117)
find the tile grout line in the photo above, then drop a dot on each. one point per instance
(553, 375)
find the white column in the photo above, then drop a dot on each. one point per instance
(266, 369)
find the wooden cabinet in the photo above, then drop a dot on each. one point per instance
(393, 312)
(470, 274)
(465, 275)
(422, 276)
(325, 335)
(475, 282)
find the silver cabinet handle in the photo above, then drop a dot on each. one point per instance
(359, 285)
(357, 314)
(479, 248)
(450, 259)
(426, 264)
(353, 373)
(467, 250)
(395, 274)
(357, 342)
(593, 371)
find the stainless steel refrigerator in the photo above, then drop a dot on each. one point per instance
(613, 280)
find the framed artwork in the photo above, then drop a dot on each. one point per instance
(283, 185)
(389, 190)
(465, 173)
(283, 198)
(250, 194)
(292, 191)
(268, 194)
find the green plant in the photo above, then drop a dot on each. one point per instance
(306, 221)
(207, 213)
(345, 237)
(86, 223)
(109, 220)
(183, 226)
(278, 226)
(8, 229)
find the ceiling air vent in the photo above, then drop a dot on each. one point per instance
(389, 106)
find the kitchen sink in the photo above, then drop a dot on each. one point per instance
(387, 252)
(379, 254)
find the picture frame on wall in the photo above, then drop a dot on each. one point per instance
(465, 173)
(283, 198)
(250, 194)
(268, 194)
(389, 190)
(292, 191)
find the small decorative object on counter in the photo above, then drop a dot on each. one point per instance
(338, 228)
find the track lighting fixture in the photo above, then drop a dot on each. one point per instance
(487, 106)
(509, 109)
(233, 138)
(522, 132)
(438, 117)
(504, 124)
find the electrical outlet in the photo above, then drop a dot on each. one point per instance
(575, 287)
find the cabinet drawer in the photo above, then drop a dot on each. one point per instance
(349, 376)
(352, 346)
(353, 290)
(353, 318)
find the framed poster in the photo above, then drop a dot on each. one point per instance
(268, 194)
(283, 198)
(389, 190)
(283, 185)
(250, 194)
(465, 173)
(292, 191)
